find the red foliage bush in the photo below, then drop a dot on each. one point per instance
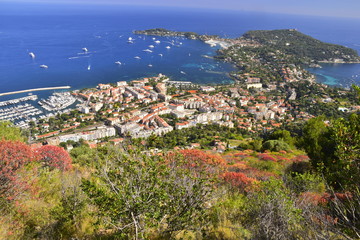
(241, 155)
(200, 160)
(266, 157)
(259, 175)
(237, 179)
(198, 156)
(314, 198)
(282, 159)
(13, 156)
(55, 157)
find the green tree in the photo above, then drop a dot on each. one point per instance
(335, 150)
(275, 145)
(282, 135)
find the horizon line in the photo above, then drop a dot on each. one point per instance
(107, 4)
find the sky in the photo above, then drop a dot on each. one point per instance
(335, 8)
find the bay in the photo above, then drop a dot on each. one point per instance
(57, 34)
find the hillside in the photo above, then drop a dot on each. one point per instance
(295, 43)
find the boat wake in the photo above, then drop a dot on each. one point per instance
(86, 56)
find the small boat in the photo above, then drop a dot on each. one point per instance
(137, 57)
(32, 55)
(153, 39)
(150, 65)
(151, 46)
(129, 41)
(118, 62)
(147, 50)
(157, 41)
(160, 54)
(44, 66)
(89, 67)
(168, 47)
(182, 72)
(85, 49)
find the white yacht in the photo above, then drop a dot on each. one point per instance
(182, 72)
(85, 49)
(44, 66)
(151, 46)
(147, 50)
(89, 67)
(168, 47)
(118, 62)
(150, 65)
(160, 54)
(157, 41)
(130, 40)
(137, 57)
(32, 55)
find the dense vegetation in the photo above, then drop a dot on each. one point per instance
(206, 135)
(299, 45)
(267, 189)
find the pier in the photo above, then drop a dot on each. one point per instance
(34, 90)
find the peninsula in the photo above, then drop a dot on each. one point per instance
(168, 33)
(299, 47)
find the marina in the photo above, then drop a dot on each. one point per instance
(58, 101)
(18, 100)
(19, 112)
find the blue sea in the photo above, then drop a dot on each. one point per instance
(56, 34)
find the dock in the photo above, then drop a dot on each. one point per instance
(34, 90)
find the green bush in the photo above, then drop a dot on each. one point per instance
(276, 146)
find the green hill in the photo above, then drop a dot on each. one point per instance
(300, 45)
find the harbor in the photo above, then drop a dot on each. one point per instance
(58, 101)
(18, 113)
(18, 100)
(22, 110)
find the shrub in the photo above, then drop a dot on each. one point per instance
(275, 146)
(54, 157)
